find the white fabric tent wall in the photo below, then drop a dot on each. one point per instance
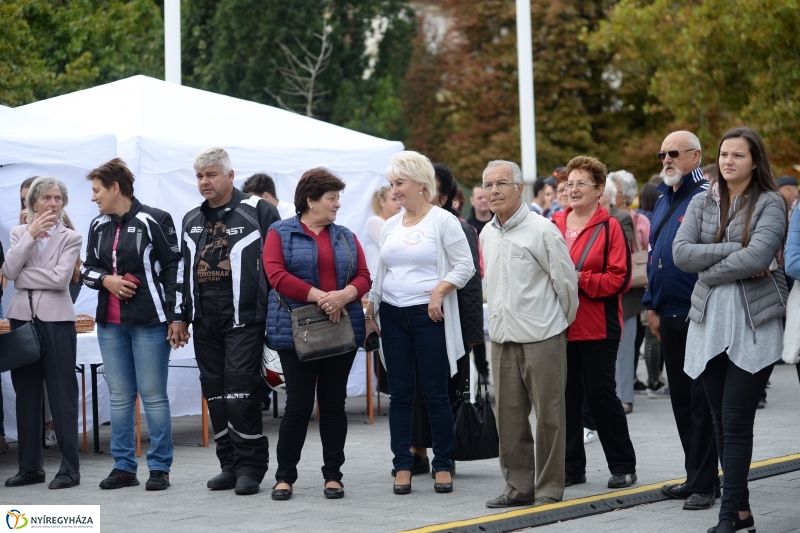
(160, 126)
(31, 145)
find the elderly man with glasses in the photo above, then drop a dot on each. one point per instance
(532, 294)
(668, 299)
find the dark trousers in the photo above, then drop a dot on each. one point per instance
(409, 336)
(57, 369)
(228, 358)
(691, 410)
(733, 396)
(591, 368)
(328, 378)
(421, 436)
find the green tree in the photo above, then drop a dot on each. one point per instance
(51, 48)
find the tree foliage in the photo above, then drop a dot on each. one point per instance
(234, 47)
(51, 48)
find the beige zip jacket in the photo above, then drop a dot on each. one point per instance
(531, 285)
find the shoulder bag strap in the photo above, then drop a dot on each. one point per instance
(588, 247)
(675, 203)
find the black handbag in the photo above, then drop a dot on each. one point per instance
(21, 346)
(475, 426)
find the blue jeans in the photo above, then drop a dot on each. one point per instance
(410, 335)
(136, 359)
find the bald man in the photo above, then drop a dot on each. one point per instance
(668, 299)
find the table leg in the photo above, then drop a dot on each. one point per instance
(138, 428)
(95, 415)
(274, 404)
(369, 387)
(83, 391)
(204, 423)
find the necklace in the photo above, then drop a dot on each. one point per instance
(407, 220)
(582, 225)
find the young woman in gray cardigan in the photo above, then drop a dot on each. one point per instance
(731, 237)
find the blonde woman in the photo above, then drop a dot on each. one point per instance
(424, 258)
(385, 206)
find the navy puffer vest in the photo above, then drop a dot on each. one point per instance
(300, 257)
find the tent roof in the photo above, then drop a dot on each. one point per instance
(141, 106)
(26, 137)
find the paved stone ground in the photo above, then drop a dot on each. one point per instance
(370, 506)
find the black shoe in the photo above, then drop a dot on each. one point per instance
(402, 489)
(65, 481)
(505, 501)
(724, 526)
(639, 387)
(676, 491)
(223, 481)
(282, 494)
(762, 403)
(118, 479)
(333, 494)
(452, 470)
(570, 480)
(159, 480)
(442, 488)
(739, 525)
(246, 485)
(419, 465)
(699, 502)
(25, 478)
(621, 481)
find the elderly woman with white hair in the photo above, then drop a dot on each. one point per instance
(41, 261)
(424, 258)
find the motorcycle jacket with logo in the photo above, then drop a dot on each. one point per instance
(247, 220)
(147, 248)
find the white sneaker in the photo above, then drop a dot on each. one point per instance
(588, 436)
(49, 437)
(661, 392)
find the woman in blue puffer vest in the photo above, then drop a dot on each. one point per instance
(309, 259)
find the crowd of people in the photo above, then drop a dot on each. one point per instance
(575, 284)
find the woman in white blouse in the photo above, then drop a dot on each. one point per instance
(424, 257)
(385, 206)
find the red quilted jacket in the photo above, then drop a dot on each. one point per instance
(604, 277)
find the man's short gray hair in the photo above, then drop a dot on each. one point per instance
(38, 187)
(213, 157)
(498, 162)
(625, 182)
(611, 192)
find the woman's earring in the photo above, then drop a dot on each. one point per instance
(420, 192)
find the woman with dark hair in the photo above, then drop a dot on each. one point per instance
(648, 195)
(732, 236)
(470, 311)
(310, 259)
(602, 257)
(132, 260)
(40, 262)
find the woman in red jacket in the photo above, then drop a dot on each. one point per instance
(602, 258)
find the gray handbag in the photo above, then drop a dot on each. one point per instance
(21, 346)
(315, 336)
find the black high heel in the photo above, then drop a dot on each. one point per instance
(402, 489)
(442, 488)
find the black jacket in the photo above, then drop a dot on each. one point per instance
(247, 219)
(470, 297)
(148, 249)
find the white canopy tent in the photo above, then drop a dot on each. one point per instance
(160, 126)
(31, 145)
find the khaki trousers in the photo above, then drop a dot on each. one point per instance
(531, 375)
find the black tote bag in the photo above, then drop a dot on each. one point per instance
(21, 346)
(475, 426)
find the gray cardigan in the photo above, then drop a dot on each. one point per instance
(695, 250)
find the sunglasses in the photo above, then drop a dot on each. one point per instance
(672, 153)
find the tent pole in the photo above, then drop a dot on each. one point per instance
(172, 41)
(525, 73)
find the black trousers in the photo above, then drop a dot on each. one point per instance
(691, 410)
(57, 368)
(733, 396)
(591, 368)
(328, 378)
(228, 358)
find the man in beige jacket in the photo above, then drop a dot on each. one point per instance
(532, 295)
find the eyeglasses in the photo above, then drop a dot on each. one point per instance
(580, 184)
(501, 185)
(673, 153)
